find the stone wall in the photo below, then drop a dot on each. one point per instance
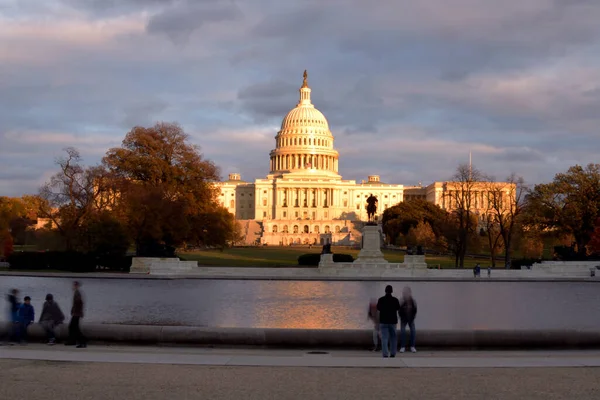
(161, 266)
(140, 334)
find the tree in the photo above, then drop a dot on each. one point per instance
(103, 235)
(165, 189)
(424, 235)
(493, 234)
(70, 195)
(570, 205)
(399, 219)
(594, 243)
(505, 204)
(461, 202)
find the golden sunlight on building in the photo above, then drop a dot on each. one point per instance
(303, 199)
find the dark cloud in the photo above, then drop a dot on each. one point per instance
(408, 87)
(183, 18)
(143, 113)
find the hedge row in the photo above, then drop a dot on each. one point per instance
(312, 259)
(67, 261)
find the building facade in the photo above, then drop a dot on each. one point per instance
(303, 199)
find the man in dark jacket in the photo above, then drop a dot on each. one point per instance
(26, 318)
(388, 307)
(50, 317)
(75, 335)
(408, 313)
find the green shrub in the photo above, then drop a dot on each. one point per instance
(70, 261)
(518, 263)
(312, 259)
(343, 258)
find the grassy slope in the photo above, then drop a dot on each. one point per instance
(287, 257)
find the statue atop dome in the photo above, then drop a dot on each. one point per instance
(305, 82)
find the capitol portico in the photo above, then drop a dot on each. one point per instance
(303, 199)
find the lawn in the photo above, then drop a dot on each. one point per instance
(271, 256)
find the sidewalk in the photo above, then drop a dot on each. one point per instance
(300, 358)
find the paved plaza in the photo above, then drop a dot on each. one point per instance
(120, 372)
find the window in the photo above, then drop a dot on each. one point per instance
(264, 192)
(345, 192)
(285, 214)
(232, 204)
(250, 204)
(274, 228)
(358, 206)
(316, 229)
(285, 229)
(327, 230)
(306, 230)
(296, 214)
(232, 194)
(345, 203)
(242, 194)
(337, 229)
(326, 214)
(264, 214)
(264, 202)
(295, 228)
(314, 216)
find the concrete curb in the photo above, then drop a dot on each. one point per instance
(294, 338)
(279, 277)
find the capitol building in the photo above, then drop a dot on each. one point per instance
(303, 199)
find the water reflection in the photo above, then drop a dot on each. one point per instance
(321, 305)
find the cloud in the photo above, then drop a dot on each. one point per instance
(409, 88)
(183, 18)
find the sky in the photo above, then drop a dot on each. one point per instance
(408, 87)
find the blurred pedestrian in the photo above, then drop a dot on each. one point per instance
(489, 271)
(26, 318)
(12, 327)
(388, 307)
(50, 318)
(408, 313)
(75, 335)
(373, 315)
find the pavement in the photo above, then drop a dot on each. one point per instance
(121, 372)
(260, 357)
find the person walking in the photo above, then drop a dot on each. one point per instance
(26, 318)
(408, 313)
(75, 335)
(373, 315)
(51, 317)
(12, 331)
(388, 307)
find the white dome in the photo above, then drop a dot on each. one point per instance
(304, 142)
(304, 115)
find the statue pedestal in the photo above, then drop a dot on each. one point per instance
(371, 247)
(326, 260)
(415, 261)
